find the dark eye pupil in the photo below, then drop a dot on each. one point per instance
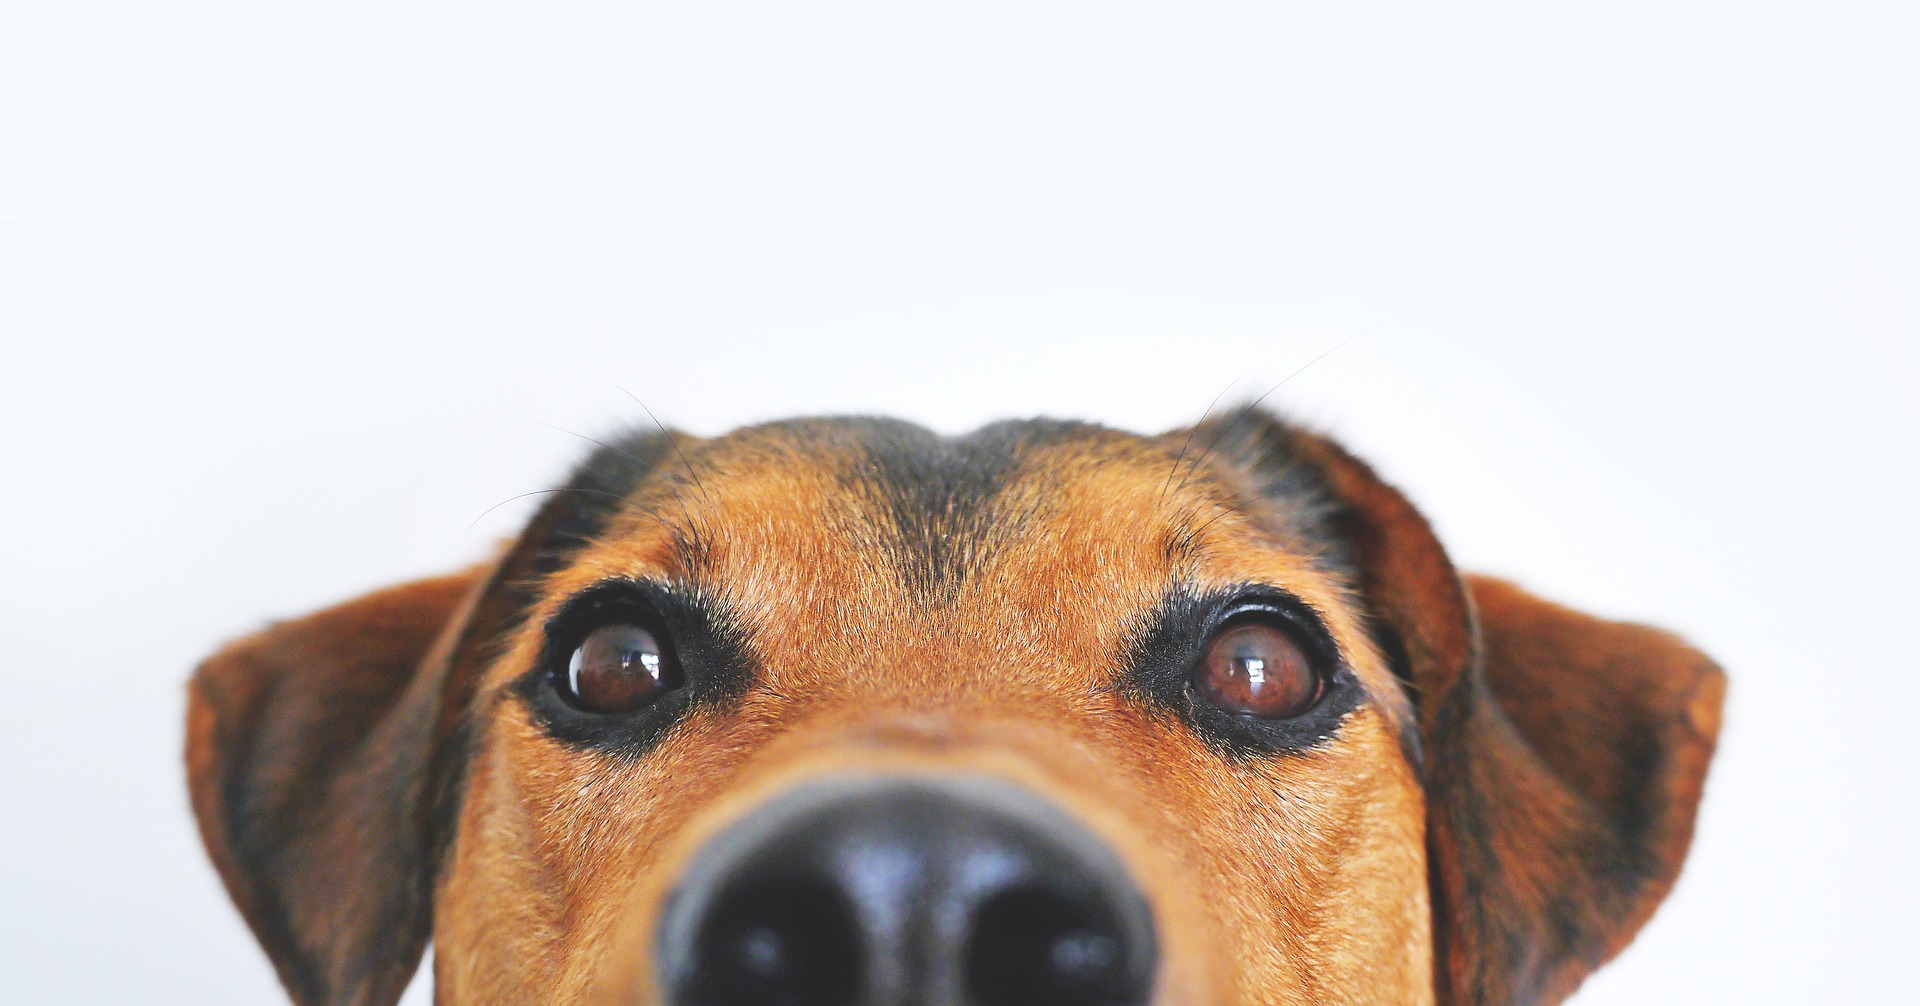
(619, 668)
(1256, 669)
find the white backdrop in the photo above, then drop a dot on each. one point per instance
(289, 298)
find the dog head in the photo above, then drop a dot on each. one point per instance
(844, 712)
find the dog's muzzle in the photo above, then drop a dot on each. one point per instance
(893, 891)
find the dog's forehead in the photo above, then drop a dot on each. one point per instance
(897, 506)
(861, 532)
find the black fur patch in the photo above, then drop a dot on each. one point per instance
(1262, 447)
(940, 492)
(601, 487)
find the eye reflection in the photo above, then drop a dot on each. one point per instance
(1255, 669)
(619, 668)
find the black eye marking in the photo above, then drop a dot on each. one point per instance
(1177, 664)
(623, 661)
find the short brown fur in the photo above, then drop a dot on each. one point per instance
(1498, 818)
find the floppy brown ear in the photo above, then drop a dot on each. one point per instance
(325, 755)
(1582, 746)
(1563, 755)
(309, 754)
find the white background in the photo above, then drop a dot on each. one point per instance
(291, 296)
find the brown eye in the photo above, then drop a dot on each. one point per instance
(1256, 669)
(619, 668)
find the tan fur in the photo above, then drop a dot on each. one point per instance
(1287, 880)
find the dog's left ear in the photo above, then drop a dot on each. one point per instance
(1563, 755)
(1580, 751)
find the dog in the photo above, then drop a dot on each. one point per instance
(838, 711)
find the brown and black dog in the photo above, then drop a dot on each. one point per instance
(839, 712)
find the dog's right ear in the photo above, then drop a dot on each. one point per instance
(325, 754)
(309, 754)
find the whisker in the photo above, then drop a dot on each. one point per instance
(692, 524)
(592, 440)
(671, 439)
(510, 499)
(638, 508)
(1255, 404)
(1191, 430)
(1228, 512)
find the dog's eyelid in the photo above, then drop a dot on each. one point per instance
(664, 606)
(1304, 616)
(610, 593)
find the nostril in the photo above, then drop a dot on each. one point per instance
(1032, 946)
(777, 942)
(906, 892)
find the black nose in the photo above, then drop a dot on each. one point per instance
(891, 892)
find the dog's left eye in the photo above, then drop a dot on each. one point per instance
(619, 668)
(1255, 668)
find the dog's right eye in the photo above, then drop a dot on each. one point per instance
(619, 668)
